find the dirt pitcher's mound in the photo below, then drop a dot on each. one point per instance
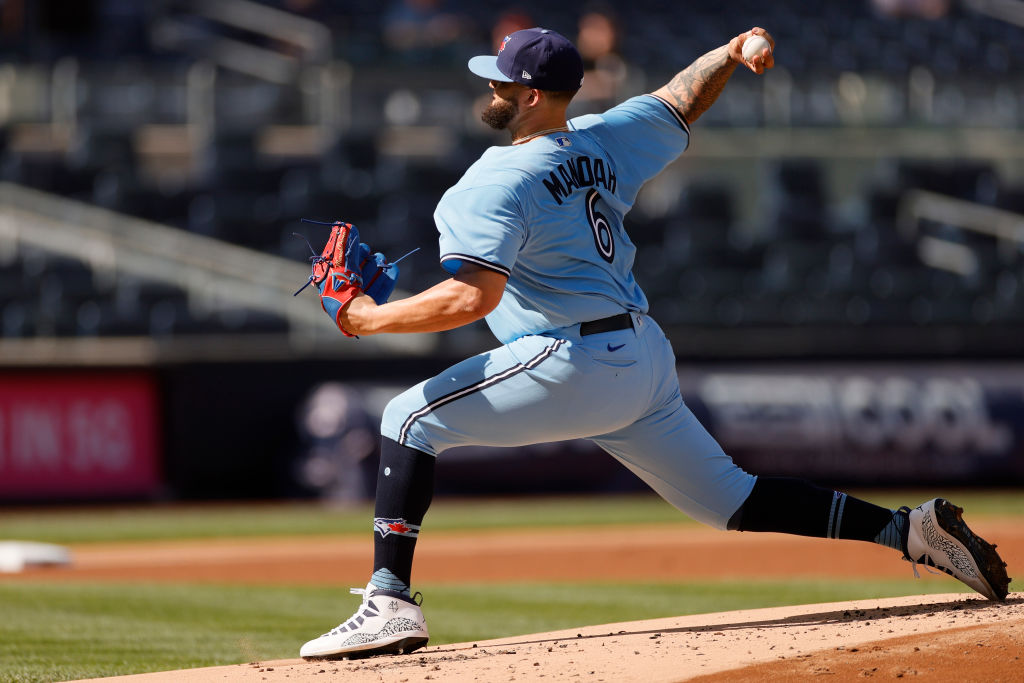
(951, 636)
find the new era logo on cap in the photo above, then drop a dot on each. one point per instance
(537, 57)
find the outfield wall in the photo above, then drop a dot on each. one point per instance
(270, 430)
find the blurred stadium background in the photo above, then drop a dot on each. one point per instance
(838, 258)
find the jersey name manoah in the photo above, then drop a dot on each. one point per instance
(549, 214)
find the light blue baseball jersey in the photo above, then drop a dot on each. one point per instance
(548, 213)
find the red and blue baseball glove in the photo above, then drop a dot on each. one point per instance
(346, 268)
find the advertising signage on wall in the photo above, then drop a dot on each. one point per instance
(864, 423)
(870, 423)
(84, 436)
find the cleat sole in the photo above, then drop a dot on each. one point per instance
(399, 647)
(992, 567)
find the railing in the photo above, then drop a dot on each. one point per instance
(215, 275)
(1006, 227)
(312, 39)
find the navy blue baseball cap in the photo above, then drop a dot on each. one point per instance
(535, 57)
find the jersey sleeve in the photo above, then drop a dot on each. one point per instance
(644, 134)
(482, 225)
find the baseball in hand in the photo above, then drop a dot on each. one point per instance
(753, 46)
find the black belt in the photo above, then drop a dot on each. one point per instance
(622, 321)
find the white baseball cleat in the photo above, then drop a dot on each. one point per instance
(388, 622)
(938, 537)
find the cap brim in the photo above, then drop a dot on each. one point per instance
(486, 66)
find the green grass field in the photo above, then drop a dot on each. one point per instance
(56, 632)
(153, 522)
(63, 631)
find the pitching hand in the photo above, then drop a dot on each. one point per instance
(758, 62)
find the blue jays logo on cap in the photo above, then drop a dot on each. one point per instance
(535, 57)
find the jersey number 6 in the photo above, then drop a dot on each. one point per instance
(599, 224)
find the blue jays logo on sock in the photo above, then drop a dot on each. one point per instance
(397, 526)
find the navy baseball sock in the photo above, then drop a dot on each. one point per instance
(796, 506)
(405, 487)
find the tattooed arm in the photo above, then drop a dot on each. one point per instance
(696, 87)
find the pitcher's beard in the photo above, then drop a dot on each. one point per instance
(499, 114)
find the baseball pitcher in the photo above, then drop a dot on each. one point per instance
(533, 238)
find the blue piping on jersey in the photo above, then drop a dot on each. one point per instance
(675, 112)
(477, 261)
(477, 386)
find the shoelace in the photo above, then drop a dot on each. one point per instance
(354, 591)
(927, 564)
(316, 259)
(417, 599)
(925, 560)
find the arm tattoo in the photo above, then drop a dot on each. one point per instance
(696, 87)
